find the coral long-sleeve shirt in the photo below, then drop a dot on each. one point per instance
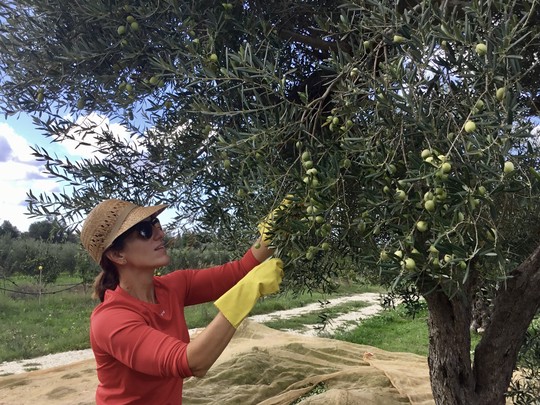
(140, 348)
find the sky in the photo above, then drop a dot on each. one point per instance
(19, 170)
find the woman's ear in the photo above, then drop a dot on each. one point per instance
(115, 256)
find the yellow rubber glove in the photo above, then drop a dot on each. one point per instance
(267, 224)
(262, 280)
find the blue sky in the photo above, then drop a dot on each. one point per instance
(19, 170)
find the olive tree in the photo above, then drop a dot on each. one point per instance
(401, 130)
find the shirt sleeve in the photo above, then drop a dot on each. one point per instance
(123, 334)
(209, 284)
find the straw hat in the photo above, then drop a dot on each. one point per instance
(108, 220)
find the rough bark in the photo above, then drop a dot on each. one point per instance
(454, 380)
(514, 308)
(449, 361)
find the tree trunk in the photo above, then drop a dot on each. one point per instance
(514, 308)
(453, 379)
(449, 349)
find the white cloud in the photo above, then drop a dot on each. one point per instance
(91, 125)
(19, 172)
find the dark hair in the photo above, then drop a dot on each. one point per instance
(108, 278)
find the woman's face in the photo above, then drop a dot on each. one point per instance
(144, 246)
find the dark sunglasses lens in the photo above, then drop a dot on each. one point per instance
(145, 229)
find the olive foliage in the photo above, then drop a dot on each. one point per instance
(402, 130)
(223, 100)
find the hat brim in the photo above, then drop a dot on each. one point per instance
(137, 215)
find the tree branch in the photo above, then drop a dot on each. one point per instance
(513, 310)
(317, 43)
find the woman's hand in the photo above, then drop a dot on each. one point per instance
(262, 280)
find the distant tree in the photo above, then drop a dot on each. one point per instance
(50, 231)
(40, 230)
(85, 267)
(7, 229)
(6, 243)
(41, 261)
(195, 250)
(67, 256)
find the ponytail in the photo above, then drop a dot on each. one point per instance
(107, 279)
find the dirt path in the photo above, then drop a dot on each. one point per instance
(342, 322)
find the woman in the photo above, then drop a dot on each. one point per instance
(138, 332)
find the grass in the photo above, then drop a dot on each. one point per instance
(315, 317)
(392, 330)
(200, 315)
(395, 331)
(33, 328)
(59, 322)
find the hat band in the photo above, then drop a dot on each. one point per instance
(118, 223)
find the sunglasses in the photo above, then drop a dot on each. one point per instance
(145, 229)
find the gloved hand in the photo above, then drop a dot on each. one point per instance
(267, 224)
(262, 280)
